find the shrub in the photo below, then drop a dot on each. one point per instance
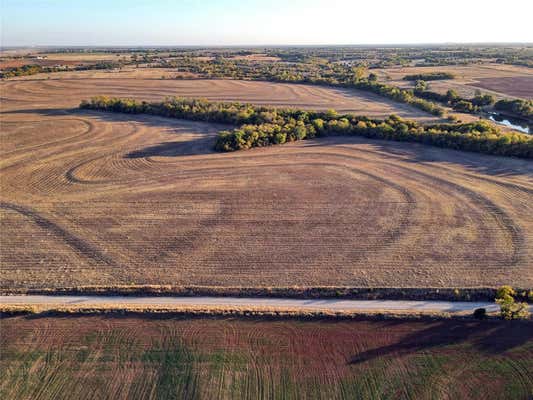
(521, 108)
(509, 308)
(505, 292)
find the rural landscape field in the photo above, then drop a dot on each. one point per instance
(102, 199)
(189, 213)
(135, 357)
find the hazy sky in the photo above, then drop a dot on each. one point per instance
(241, 22)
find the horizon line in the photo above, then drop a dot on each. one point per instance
(266, 45)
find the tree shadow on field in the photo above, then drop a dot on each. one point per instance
(174, 149)
(419, 153)
(201, 140)
(489, 337)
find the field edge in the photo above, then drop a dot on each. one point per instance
(325, 292)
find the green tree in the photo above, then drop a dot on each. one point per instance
(509, 308)
(359, 73)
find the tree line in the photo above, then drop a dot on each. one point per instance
(33, 69)
(453, 99)
(262, 126)
(26, 70)
(430, 76)
(329, 74)
(518, 107)
(323, 72)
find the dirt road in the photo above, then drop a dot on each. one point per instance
(242, 302)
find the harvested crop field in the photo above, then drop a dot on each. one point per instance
(140, 357)
(515, 86)
(500, 80)
(104, 199)
(66, 89)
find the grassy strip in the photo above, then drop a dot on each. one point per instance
(262, 126)
(216, 311)
(443, 294)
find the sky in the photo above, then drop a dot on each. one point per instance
(256, 22)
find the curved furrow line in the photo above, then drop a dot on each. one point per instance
(440, 168)
(115, 157)
(299, 149)
(46, 180)
(386, 240)
(500, 216)
(90, 129)
(78, 244)
(99, 135)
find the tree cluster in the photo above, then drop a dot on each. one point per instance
(518, 107)
(509, 307)
(24, 71)
(453, 100)
(330, 74)
(263, 126)
(430, 76)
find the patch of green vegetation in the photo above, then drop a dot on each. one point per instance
(263, 126)
(171, 365)
(176, 377)
(431, 76)
(518, 383)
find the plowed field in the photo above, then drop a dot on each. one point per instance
(106, 199)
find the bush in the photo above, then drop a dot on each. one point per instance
(509, 308)
(262, 126)
(505, 292)
(521, 108)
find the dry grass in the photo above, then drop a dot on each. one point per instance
(117, 357)
(103, 200)
(237, 311)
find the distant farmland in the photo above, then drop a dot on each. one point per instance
(130, 357)
(104, 199)
(67, 89)
(501, 80)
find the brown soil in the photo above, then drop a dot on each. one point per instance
(500, 80)
(107, 199)
(515, 86)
